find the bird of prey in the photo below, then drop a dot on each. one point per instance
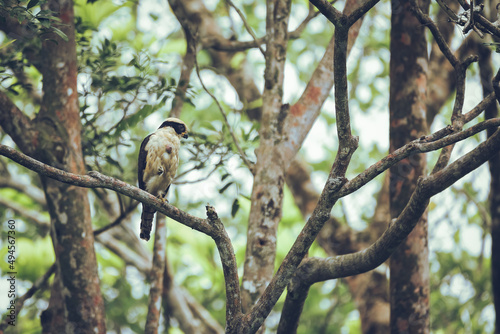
(158, 162)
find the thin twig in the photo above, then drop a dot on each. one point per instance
(247, 26)
(37, 285)
(310, 15)
(200, 179)
(235, 140)
(118, 220)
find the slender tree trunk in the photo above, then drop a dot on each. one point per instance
(77, 305)
(409, 265)
(267, 193)
(486, 74)
(495, 234)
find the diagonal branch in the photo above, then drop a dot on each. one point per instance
(97, 180)
(226, 121)
(360, 11)
(247, 26)
(417, 146)
(326, 8)
(314, 270)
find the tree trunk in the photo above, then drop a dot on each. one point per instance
(409, 265)
(267, 193)
(486, 74)
(77, 306)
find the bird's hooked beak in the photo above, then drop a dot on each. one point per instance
(185, 136)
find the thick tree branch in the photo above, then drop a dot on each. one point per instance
(417, 146)
(230, 268)
(97, 180)
(314, 270)
(326, 8)
(212, 227)
(360, 11)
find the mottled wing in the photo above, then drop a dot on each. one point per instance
(143, 155)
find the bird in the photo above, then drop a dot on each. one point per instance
(157, 165)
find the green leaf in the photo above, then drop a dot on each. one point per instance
(235, 207)
(32, 4)
(225, 187)
(60, 33)
(7, 44)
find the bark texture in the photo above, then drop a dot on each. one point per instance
(76, 304)
(156, 276)
(409, 264)
(370, 290)
(486, 74)
(267, 193)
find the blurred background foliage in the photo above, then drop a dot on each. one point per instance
(129, 56)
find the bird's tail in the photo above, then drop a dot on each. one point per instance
(146, 221)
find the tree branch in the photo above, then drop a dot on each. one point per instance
(247, 26)
(326, 8)
(118, 220)
(184, 79)
(97, 180)
(224, 115)
(417, 146)
(360, 11)
(230, 268)
(37, 285)
(212, 226)
(314, 270)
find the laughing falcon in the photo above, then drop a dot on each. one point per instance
(158, 162)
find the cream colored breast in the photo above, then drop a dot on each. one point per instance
(163, 155)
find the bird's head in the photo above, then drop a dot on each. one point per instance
(179, 126)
